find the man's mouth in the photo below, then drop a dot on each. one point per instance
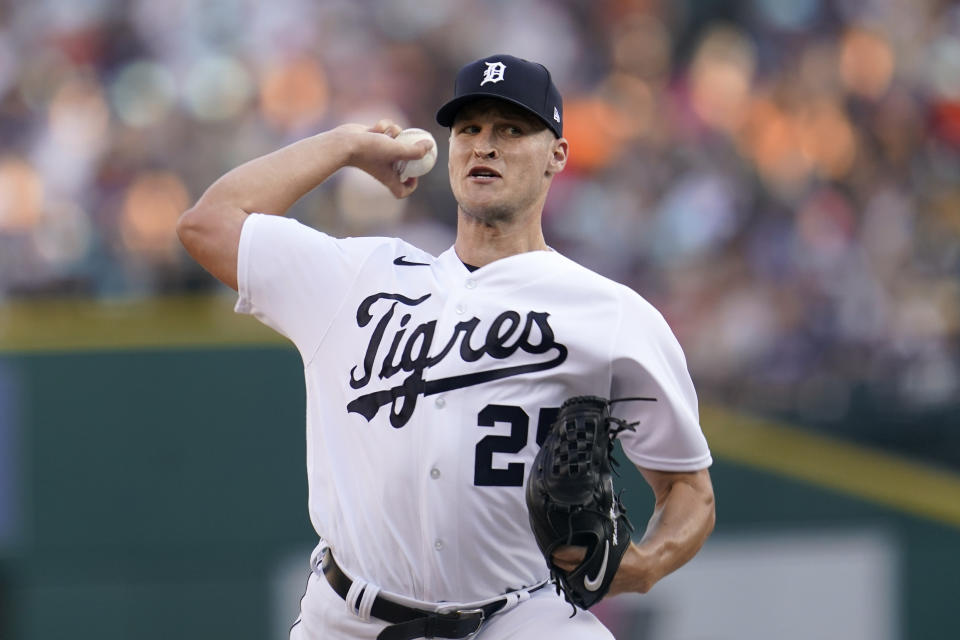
(484, 174)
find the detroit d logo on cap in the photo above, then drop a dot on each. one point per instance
(493, 72)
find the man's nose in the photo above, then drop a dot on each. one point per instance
(485, 150)
(485, 144)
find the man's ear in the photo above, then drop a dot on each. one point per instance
(559, 151)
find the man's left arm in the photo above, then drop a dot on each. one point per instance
(682, 520)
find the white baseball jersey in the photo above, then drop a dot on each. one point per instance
(429, 388)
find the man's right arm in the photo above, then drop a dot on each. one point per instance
(210, 230)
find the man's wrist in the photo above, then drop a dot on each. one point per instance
(341, 144)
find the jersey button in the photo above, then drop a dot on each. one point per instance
(438, 545)
(434, 473)
(440, 402)
(471, 284)
(460, 309)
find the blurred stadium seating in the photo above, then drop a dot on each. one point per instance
(780, 178)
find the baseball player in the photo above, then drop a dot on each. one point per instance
(431, 381)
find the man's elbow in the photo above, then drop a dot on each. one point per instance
(205, 224)
(711, 517)
(190, 225)
(211, 235)
(710, 508)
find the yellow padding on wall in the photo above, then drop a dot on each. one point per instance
(872, 475)
(70, 325)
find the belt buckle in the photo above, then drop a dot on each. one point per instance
(483, 618)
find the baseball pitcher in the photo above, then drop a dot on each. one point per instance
(461, 409)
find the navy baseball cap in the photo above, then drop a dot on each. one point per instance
(524, 83)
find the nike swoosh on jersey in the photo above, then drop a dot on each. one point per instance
(592, 584)
(403, 262)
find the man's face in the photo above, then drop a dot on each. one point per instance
(501, 160)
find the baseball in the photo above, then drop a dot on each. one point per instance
(413, 168)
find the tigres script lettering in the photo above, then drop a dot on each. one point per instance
(410, 352)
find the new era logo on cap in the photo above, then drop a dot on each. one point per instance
(521, 82)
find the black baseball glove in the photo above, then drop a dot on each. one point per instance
(571, 499)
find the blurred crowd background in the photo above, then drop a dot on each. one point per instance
(780, 177)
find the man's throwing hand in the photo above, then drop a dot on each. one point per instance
(376, 151)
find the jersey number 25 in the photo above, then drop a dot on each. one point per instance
(484, 473)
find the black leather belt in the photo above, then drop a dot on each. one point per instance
(409, 622)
